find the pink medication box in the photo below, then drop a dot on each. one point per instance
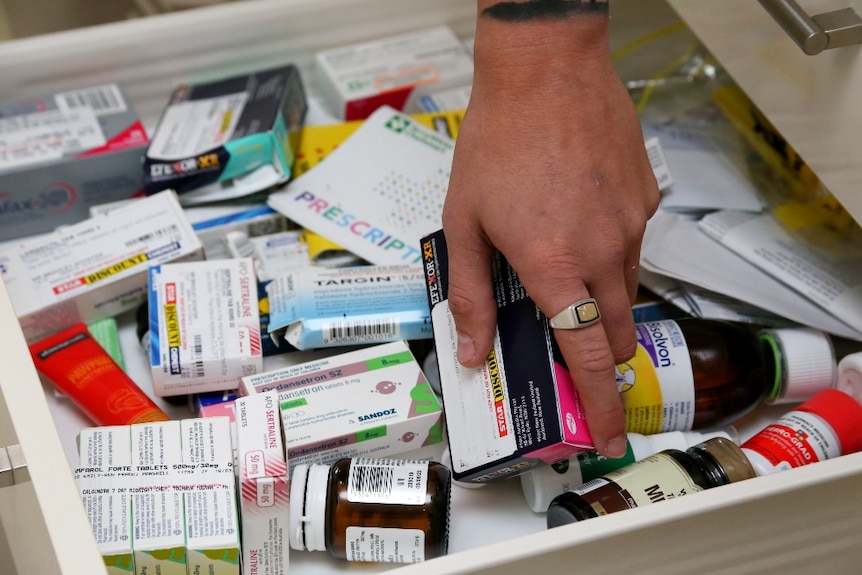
(520, 409)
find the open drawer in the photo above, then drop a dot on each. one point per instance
(794, 522)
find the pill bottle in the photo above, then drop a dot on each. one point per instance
(542, 484)
(690, 373)
(849, 378)
(826, 426)
(665, 475)
(372, 510)
(800, 361)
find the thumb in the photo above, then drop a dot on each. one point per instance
(471, 296)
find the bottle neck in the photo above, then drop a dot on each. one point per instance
(712, 470)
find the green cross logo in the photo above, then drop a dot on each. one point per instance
(398, 124)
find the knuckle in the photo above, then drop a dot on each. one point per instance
(461, 302)
(593, 357)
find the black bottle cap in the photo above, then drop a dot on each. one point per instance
(568, 508)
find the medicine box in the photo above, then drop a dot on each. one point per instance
(227, 138)
(64, 152)
(319, 307)
(211, 515)
(373, 401)
(264, 488)
(213, 403)
(353, 81)
(251, 220)
(204, 326)
(95, 268)
(102, 478)
(158, 522)
(519, 409)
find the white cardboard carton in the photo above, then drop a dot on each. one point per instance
(373, 400)
(264, 488)
(96, 268)
(356, 80)
(204, 326)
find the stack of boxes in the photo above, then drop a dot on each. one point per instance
(161, 497)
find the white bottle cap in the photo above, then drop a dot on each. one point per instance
(542, 484)
(801, 360)
(849, 378)
(308, 486)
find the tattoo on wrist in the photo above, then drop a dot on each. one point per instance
(543, 9)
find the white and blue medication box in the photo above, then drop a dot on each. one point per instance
(318, 307)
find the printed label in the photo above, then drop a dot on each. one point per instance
(592, 464)
(47, 136)
(485, 415)
(207, 321)
(797, 438)
(385, 545)
(653, 479)
(390, 481)
(194, 127)
(657, 384)
(103, 100)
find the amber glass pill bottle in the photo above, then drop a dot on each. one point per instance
(666, 475)
(689, 374)
(373, 510)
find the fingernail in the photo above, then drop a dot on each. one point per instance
(466, 348)
(616, 447)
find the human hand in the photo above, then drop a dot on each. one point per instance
(550, 169)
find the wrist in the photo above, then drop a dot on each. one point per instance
(537, 53)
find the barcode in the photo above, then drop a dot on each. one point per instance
(658, 162)
(101, 99)
(371, 481)
(153, 235)
(370, 329)
(197, 355)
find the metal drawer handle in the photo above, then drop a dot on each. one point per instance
(816, 33)
(13, 466)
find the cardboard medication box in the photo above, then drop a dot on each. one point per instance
(62, 153)
(211, 516)
(318, 307)
(102, 478)
(96, 268)
(374, 401)
(227, 138)
(158, 515)
(353, 81)
(204, 326)
(161, 496)
(520, 409)
(264, 489)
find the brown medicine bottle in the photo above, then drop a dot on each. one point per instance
(666, 475)
(375, 510)
(690, 373)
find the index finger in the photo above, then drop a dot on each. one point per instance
(590, 362)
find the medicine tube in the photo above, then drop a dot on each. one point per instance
(666, 475)
(371, 510)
